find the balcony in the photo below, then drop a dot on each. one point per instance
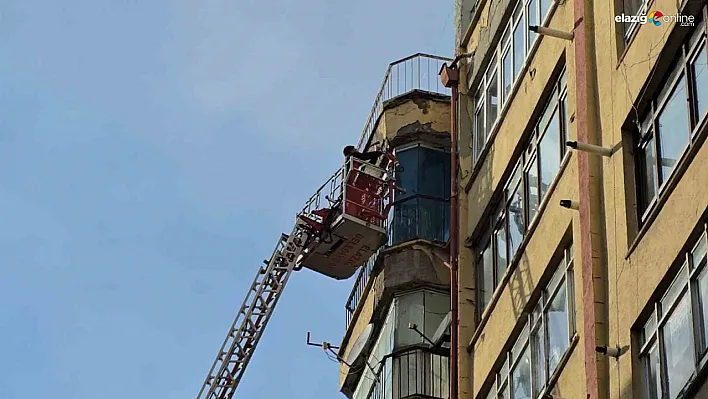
(413, 373)
(415, 72)
(417, 214)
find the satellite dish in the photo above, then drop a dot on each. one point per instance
(359, 345)
(442, 331)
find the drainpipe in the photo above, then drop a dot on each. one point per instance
(590, 207)
(450, 77)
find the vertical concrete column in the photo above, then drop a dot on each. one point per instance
(592, 244)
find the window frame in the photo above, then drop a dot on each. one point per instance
(528, 160)
(503, 46)
(660, 316)
(648, 131)
(537, 320)
(417, 145)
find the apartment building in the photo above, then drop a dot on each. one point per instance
(605, 295)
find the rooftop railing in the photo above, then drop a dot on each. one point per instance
(415, 72)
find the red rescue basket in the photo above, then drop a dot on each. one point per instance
(352, 226)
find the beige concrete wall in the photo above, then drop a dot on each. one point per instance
(535, 259)
(508, 137)
(631, 279)
(416, 116)
(554, 221)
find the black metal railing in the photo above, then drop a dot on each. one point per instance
(415, 72)
(415, 373)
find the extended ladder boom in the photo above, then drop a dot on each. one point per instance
(252, 317)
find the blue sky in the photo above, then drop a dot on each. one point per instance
(151, 153)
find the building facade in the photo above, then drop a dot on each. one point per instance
(582, 270)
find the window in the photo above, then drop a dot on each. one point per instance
(529, 183)
(422, 211)
(670, 123)
(505, 67)
(425, 309)
(547, 334)
(632, 8)
(675, 337)
(417, 369)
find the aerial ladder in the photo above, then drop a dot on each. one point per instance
(334, 240)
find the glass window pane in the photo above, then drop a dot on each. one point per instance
(409, 309)
(432, 179)
(678, 343)
(674, 290)
(407, 177)
(508, 74)
(703, 298)
(557, 319)
(673, 129)
(479, 132)
(520, 344)
(504, 372)
(433, 219)
(648, 173)
(405, 221)
(492, 103)
(668, 87)
(699, 252)
(436, 308)
(532, 16)
(649, 328)
(532, 190)
(562, 81)
(500, 240)
(521, 377)
(519, 48)
(549, 154)
(516, 221)
(698, 33)
(564, 118)
(632, 7)
(700, 76)
(652, 375)
(539, 361)
(486, 270)
(545, 6)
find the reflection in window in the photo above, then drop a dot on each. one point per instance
(632, 7)
(544, 340)
(521, 377)
(674, 327)
(673, 115)
(486, 276)
(492, 102)
(422, 211)
(700, 77)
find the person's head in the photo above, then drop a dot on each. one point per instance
(349, 150)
